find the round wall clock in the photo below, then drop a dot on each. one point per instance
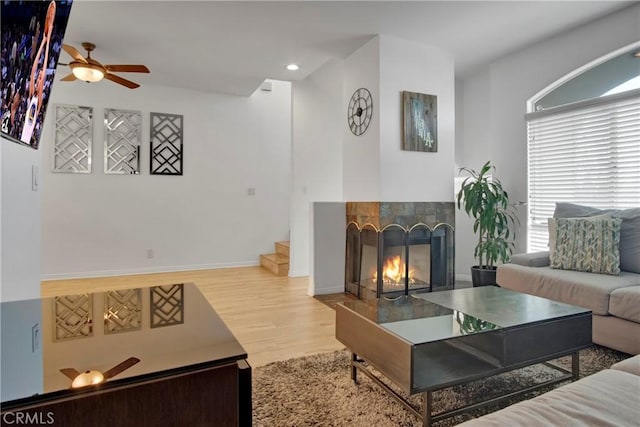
(360, 110)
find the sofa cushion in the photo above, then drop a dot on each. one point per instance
(625, 303)
(616, 333)
(588, 290)
(631, 365)
(532, 259)
(629, 231)
(607, 398)
(587, 244)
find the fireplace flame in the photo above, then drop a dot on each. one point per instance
(393, 271)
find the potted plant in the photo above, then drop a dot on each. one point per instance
(483, 199)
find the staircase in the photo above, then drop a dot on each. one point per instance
(277, 263)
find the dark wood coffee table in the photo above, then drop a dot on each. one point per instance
(426, 342)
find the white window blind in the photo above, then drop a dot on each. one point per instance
(586, 153)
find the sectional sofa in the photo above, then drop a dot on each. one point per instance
(610, 397)
(614, 299)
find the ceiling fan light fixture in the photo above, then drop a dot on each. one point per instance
(87, 72)
(87, 378)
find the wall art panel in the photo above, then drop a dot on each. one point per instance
(166, 144)
(122, 137)
(73, 139)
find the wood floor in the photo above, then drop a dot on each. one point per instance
(272, 317)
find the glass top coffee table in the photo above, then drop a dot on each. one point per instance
(426, 342)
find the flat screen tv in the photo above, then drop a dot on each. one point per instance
(32, 34)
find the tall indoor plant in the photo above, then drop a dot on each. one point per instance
(483, 199)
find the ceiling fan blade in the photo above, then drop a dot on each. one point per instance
(120, 367)
(68, 78)
(120, 80)
(74, 53)
(70, 373)
(130, 68)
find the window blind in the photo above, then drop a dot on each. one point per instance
(586, 153)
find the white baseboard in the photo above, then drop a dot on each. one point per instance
(146, 270)
(325, 291)
(463, 277)
(298, 273)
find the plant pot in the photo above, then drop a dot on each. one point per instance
(485, 276)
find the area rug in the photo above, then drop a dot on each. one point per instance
(317, 391)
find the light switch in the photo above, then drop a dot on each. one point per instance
(35, 178)
(35, 338)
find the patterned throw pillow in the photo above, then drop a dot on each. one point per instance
(629, 230)
(587, 244)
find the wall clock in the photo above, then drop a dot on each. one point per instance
(359, 111)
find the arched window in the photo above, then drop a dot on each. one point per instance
(583, 136)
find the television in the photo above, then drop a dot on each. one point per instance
(32, 34)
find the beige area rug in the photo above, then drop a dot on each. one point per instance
(318, 391)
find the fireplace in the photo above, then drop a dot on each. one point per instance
(398, 248)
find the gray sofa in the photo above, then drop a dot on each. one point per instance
(613, 300)
(608, 398)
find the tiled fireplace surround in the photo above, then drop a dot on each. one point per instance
(396, 248)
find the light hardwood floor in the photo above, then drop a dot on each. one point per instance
(272, 317)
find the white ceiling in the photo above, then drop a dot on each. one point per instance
(231, 47)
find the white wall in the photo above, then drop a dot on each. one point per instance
(21, 222)
(21, 372)
(316, 154)
(328, 237)
(410, 175)
(97, 224)
(20, 242)
(495, 99)
(361, 158)
(473, 149)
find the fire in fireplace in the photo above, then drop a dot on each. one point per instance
(398, 259)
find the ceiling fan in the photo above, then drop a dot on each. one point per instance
(91, 71)
(92, 377)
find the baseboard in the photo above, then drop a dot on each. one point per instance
(325, 291)
(463, 277)
(146, 270)
(298, 273)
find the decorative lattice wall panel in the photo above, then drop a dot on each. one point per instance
(122, 137)
(167, 305)
(72, 316)
(122, 311)
(166, 144)
(73, 138)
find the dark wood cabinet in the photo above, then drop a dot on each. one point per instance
(192, 374)
(213, 396)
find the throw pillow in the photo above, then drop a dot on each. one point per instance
(629, 231)
(551, 225)
(587, 244)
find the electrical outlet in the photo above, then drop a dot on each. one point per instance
(35, 338)
(150, 253)
(251, 191)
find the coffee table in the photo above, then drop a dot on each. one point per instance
(427, 342)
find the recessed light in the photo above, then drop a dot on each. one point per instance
(293, 67)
